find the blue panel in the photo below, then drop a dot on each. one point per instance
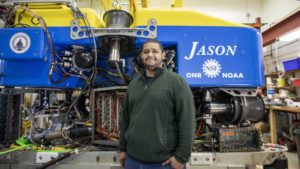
(206, 57)
(31, 72)
(104, 72)
(216, 56)
(22, 44)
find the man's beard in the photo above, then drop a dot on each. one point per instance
(153, 67)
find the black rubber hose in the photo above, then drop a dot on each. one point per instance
(78, 132)
(55, 160)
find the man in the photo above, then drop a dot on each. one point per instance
(157, 127)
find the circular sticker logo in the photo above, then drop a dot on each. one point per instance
(19, 42)
(211, 68)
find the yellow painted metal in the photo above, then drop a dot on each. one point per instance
(26, 124)
(144, 3)
(107, 4)
(272, 119)
(273, 126)
(43, 6)
(133, 7)
(59, 15)
(179, 17)
(177, 3)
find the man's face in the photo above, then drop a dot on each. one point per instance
(152, 55)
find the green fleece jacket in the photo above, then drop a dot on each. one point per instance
(158, 118)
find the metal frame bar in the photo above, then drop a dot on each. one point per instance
(77, 32)
(284, 26)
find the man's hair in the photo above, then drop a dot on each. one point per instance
(154, 41)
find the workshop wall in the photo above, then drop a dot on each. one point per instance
(284, 51)
(276, 10)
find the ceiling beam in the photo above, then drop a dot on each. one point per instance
(282, 27)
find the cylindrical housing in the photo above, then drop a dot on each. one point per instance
(117, 19)
(218, 108)
(114, 55)
(78, 132)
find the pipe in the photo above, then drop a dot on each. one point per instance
(73, 132)
(217, 108)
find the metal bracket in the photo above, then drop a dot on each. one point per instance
(201, 159)
(250, 92)
(44, 157)
(78, 32)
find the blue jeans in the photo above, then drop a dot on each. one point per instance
(131, 163)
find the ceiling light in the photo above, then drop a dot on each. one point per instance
(292, 35)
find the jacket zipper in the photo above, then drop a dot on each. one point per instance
(147, 84)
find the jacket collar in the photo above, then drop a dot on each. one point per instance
(158, 71)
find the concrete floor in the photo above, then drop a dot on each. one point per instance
(293, 161)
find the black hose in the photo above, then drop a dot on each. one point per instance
(80, 131)
(55, 160)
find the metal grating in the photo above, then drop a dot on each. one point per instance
(108, 108)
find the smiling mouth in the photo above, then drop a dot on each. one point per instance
(151, 59)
